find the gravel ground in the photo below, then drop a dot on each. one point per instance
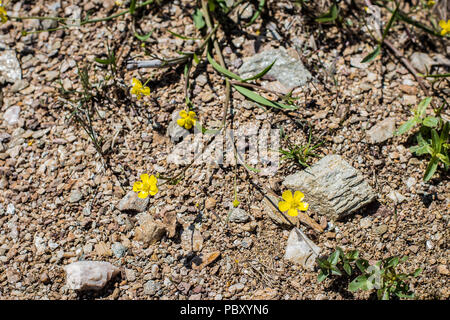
(59, 200)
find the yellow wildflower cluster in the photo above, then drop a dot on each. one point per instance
(187, 119)
(3, 15)
(445, 27)
(431, 3)
(138, 89)
(148, 186)
(292, 203)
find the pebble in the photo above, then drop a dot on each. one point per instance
(118, 249)
(396, 197)
(381, 131)
(290, 72)
(381, 229)
(75, 196)
(11, 115)
(150, 231)
(442, 269)
(238, 215)
(301, 250)
(365, 222)
(151, 287)
(89, 275)
(10, 209)
(131, 202)
(10, 70)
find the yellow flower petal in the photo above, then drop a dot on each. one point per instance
(443, 32)
(192, 114)
(136, 83)
(153, 191)
(298, 196)
(181, 122)
(287, 195)
(153, 180)
(146, 91)
(143, 194)
(442, 24)
(293, 212)
(183, 114)
(283, 206)
(188, 124)
(303, 206)
(137, 186)
(145, 178)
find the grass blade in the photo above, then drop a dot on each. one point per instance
(261, 100)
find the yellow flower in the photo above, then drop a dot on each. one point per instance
(118, 3)
(187, 119)
(445, 27)
(292, 203)
(236, 203)
(138, 90)
(146, 187)
(3, 15)
(431, 3)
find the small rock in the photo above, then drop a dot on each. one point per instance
(414, 249)
(10, 209)
(301, 250)
(11, 115)
(381, 229)
(365, 222)
(151, 287)
(130, 275)
(191, 240)
(429, 245)
(102, 249)
(118, 249)
(396, 197)
(411, 182)
(382, 131)
(207, 259)
(10, 70)
(238, 215)
(44, 278)
(442, 269)
(75, 196)
(265, 294)
(236, 288)
(184, 287)
(89, 275)
(149, 231)
(210, 203)
(332, 187)
(422, 62)
(131, 202)
(287, 70)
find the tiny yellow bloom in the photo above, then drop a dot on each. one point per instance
(445, 27)
(30, 142)
(118, 3)
(431, 3)
(138, 90)
(146, 187)
(3, 14)
(236, 203)
(292, 203)
(366, 9)
(187, 119)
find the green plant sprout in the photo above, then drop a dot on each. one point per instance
(382, 275)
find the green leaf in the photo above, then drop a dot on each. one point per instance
(334, 257)
(372, 55)
(262, 73)
(362, 264)
(391, 21)
(417, 272)
(431, 168)
(383, 294)
(392, 262)
(110, 60)
(221, 69)
(132, 6)
(261, 100)
(430, 122)
(435, 141)
(443, 158)
(322, 276)
(358, 283)
(181, 36)
(199, 22)
(445, 132)
(347, 268)
(330, 16)
(144, 37)
(422, 106)
(406, 126)
(323, 264)
(335, 270)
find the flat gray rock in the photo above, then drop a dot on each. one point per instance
(301, 250)
(289, 71)
(332, 187)
(131, 202)
(382, 131)
(10, 70)
(238, 215)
